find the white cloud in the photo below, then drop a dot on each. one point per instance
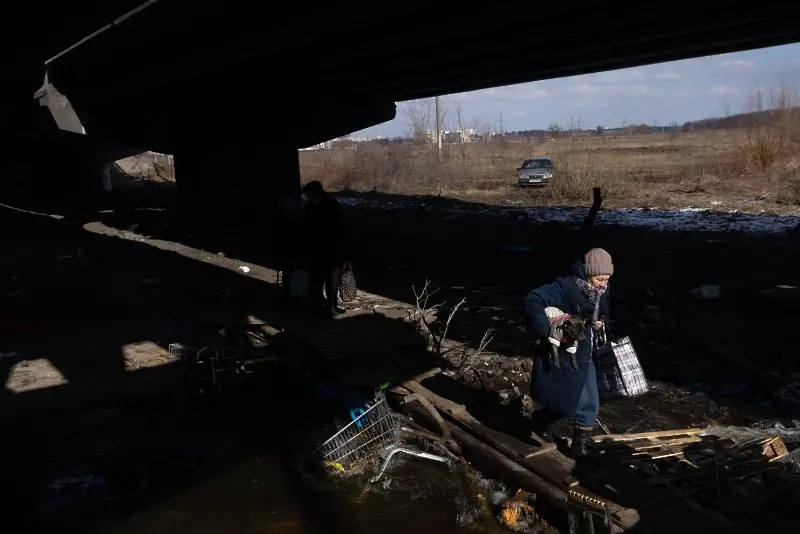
(526, 91)
(593, 104)
(629, 90)
(587, 89)
(534, 94)
(724, 90)
(616, 77)
(666, 75)
(739, 64)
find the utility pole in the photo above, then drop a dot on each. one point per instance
(438, 129)
(502, 129)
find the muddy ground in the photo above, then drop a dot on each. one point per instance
(93, 401)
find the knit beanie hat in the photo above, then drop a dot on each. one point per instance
(597, 262)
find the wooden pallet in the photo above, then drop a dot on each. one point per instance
(650, 445)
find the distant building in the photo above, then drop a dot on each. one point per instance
(327, 145)
(466, 135)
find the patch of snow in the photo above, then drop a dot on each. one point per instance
(790, 434)
(689, 219)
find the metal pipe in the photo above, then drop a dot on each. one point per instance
(411, 452)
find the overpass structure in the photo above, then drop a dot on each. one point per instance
(234, 88)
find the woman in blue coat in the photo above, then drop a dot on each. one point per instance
(563, 389)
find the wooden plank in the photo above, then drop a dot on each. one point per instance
(773, 448)
(648, 435)
(647, 456)
(648, 445)
(516, 449)
(430, 373)
(519, 474)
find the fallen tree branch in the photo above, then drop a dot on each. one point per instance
(425, 314)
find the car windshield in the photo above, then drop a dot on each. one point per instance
(537, 164)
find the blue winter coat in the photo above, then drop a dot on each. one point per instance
(559, 388)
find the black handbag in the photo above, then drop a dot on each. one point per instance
(348, 289)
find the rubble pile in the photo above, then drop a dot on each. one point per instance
(743, 476)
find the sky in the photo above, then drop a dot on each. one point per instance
(677, 91)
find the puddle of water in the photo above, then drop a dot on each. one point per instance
(162, 468)
(260, 496)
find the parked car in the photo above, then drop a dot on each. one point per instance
(536, 172)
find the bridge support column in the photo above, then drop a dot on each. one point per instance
(233, 188)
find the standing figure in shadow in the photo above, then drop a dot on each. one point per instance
(287, 240)
(327, 237)
(564, 383)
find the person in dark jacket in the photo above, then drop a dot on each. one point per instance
(560, 389)
(287, 241)
(327, 239)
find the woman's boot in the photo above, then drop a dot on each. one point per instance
(580, 441)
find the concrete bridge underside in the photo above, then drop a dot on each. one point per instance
(233, 88)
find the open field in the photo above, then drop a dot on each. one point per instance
(752, 169)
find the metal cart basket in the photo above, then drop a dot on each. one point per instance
(374, 434)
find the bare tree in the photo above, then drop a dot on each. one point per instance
(420, 116)
(768, 131)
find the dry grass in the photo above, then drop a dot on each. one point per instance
(729, 167)
(754, 167)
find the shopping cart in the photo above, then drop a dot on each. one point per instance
(373, 435)
(216, 367)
